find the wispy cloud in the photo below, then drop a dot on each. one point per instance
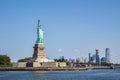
(60, 50)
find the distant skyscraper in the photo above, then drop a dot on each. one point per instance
(97, 51)
(86, 60)
(107, 55)
(82, 59)
(103, 60)
(93, 59)
(97, 56)
(89, 55)
(77, 60)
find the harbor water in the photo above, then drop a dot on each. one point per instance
(94, 74)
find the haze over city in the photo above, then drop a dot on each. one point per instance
(72, 28)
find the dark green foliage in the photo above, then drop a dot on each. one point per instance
(62, 59)
(116, 64)
(24, 59)
(106, 64)
(5, 61)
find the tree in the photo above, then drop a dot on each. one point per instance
(5, 60)
(25, 59)
(61, 59)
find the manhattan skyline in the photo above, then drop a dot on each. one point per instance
(72, 28)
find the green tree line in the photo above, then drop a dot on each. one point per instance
(5, 61)
(25, 59)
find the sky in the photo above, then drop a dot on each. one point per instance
(72, 28)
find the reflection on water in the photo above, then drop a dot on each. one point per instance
(104, 74)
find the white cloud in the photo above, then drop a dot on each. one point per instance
(60, 50)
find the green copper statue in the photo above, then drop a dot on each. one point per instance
(39, 34)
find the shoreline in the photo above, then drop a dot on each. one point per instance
(51, 69)
(41, 69)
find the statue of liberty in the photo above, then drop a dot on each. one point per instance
(39, 34)
(39, 53)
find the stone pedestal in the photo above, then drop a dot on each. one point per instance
(39, 52)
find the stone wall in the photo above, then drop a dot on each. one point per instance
(53, 64)
(49, 64)
(21, 64)
(62, 64)
(36, 64)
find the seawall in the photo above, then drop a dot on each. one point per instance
(52, 69)
(41, 69)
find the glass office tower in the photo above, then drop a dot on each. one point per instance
(107, 55)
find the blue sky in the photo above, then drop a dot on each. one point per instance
(72, 28)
